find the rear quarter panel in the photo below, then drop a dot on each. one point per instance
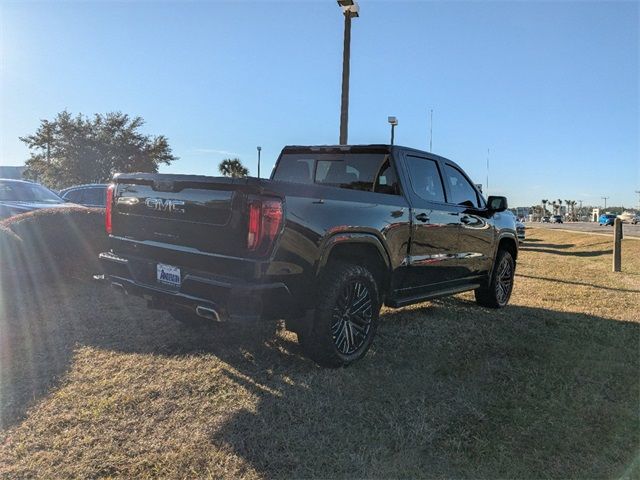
(317, 214)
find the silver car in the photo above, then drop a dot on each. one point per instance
(520, 231)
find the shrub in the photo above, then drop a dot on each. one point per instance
(58, 241)
(10, 250)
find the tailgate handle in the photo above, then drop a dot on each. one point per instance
(423, 217)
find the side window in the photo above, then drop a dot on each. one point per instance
(386, 181)
(74, 196)
(94, 196)
(425, 179)
(461, 191)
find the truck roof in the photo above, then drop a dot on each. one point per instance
(374, 148)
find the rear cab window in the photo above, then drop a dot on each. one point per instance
(371, 172)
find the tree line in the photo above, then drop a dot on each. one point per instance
(77, 149)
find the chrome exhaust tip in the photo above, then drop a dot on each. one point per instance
(207, 312)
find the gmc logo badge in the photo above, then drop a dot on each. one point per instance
(162, 205)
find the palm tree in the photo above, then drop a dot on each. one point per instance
(536, 211)
(569, 209)
(233, 168)
(554, 206)
(544, 206)
(559, 207)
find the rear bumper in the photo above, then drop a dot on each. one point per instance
(231, 299)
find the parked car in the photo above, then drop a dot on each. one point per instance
(635, 220)
(520, 231)
(556, 219)
(607, 219)
(333, 235)
(20, 196)
(546, 219)
(90, 195)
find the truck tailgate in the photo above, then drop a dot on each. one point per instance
(204, 214)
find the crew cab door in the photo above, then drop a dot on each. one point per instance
(432, 259)
(476, 230)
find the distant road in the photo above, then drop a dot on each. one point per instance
(628, 230)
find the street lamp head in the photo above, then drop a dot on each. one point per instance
(393, 121)
(350, 7)
(259, 148)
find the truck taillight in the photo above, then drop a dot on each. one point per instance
(107, 214)
(265, 221)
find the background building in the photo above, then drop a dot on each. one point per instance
(11, 172)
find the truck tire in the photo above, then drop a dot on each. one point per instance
(496, 292)
(345, 318)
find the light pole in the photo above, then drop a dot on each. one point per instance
(350, 9)
(431, 132)
(605, 201)
(580, 211)
(259, 150)
(393, 121)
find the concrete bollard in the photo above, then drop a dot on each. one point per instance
(617, 245)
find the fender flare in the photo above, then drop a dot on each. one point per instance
(509, 236)
(343, 238)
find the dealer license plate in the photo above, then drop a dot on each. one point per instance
(168, 275)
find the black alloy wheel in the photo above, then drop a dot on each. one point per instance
(504, 280)
(495, 292)
(352, 317)
(345, 318)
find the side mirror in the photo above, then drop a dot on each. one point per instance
(497, 204)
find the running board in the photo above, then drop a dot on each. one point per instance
(403, 302)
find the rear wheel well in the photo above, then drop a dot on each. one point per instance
(366, 255)
(510, 246)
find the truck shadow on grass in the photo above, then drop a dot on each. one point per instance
(448, 389)
(594, 249)
(456, 391)
(580, 284)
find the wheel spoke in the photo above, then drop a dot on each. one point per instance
(335, 328)
(362, 318)
(503, 268)
(504, 281)
(347, 340)
(352, 317)
(362, 306)
(352, 340)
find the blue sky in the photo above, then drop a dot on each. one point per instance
(551, 88)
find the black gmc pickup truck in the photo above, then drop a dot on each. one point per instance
(335, 233)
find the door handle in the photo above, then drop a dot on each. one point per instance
(423, 217)
(466, 220)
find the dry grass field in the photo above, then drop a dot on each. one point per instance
(94, 385)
